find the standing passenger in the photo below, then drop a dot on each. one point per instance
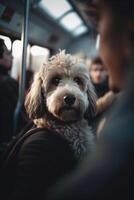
(99, 76)
(8, 96)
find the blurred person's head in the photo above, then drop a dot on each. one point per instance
(5, 56)
(116, 28)
(114, 20)
(98, 72)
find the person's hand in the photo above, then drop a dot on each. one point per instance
(104, 102)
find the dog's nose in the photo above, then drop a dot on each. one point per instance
(69, 99)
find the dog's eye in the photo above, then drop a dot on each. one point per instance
(78, 80)
(56, 80)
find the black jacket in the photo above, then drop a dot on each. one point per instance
(8, 102)
(42, 160)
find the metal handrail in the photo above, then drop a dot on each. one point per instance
(24, 39)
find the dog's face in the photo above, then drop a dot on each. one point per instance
(65, 90)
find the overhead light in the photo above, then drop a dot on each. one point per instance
(80, 30)
(55, 9)
(71, 21)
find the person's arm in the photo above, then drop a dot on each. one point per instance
(105, 101)
(8, 102)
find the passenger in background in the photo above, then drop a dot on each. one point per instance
(99, 76)
(8, 96)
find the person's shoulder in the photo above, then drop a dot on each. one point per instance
(7, 81)
(12, 80)
(48, 144)
(41, 133)
(45, 138)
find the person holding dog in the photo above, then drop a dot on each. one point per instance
(109, 172)
(61, 105)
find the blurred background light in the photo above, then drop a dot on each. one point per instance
(55, 8)
(7, 41)
(71, 21)
(39, 51)
(80, 30)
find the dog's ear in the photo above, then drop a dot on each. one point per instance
(92, 97)
(34, 99)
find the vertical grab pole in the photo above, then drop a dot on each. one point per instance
(24, 39)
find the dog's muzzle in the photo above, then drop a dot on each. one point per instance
(69, 100)
(69, 112)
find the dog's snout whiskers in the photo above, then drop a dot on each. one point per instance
(69, 99)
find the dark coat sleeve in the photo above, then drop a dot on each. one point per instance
(43, 159)
(8, 101)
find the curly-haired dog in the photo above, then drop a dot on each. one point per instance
(62, 98)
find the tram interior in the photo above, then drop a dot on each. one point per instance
(52, 25)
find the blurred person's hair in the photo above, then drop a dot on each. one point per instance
(96, 61)
(122, 8)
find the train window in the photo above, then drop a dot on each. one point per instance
(17, 58)
(38, 56)
(17, 45)
(7, 41)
